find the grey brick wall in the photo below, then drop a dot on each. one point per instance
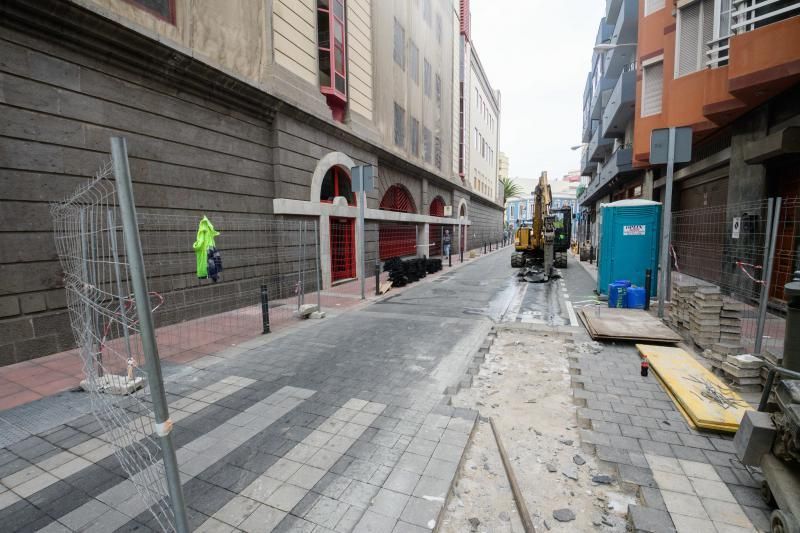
(58, 110)
(189, 155)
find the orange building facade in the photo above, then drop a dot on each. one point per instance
(737, 84)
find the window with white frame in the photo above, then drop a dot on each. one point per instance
(695, 30)
(652, 88)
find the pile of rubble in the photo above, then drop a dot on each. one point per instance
(742, 372)
(700, 312)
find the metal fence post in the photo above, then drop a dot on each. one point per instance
(133, 247)
(773, 218)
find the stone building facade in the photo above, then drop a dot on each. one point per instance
(246, 109)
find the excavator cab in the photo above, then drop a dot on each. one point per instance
(563, 233)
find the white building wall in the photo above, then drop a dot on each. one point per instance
(484, 129)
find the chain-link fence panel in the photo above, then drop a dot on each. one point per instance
(104, 319)
(720, 260)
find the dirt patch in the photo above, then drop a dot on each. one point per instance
(524, 385)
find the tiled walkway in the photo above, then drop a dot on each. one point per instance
(688, 480)
(339, 424)
(31, 380)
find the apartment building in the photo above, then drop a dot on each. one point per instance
(730, 70)
(609, 101)
(246, 109)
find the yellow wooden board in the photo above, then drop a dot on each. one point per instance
(680, 373)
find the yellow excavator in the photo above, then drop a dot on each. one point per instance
(533, 252)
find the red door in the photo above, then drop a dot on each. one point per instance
(343, 249)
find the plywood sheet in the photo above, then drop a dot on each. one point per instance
(609, 323)
(683, 375)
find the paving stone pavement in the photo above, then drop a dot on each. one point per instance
(340, 425)
(687, 480)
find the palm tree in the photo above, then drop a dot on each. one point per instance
(510, 188)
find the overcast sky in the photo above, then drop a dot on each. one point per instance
(537, 53)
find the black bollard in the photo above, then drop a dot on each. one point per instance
(450, 258)
(484, 246)
(648, 280)
(377, 278)
(265, 309)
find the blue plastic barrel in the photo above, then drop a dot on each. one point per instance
(623, 282)
(616, 294)
(635, 298)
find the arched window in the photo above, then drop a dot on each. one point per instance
(397, 239)
(437, 207)
(336, 183)
(397, 198)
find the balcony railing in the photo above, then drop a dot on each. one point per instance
(746, 15)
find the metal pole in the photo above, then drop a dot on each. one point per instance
(302, 286)
(648, 285)
(441, 239)
(133, 248)
(666, 225)
(264, 310)
(318, 247)
(377, 278)
(773, 218)
(361, 238)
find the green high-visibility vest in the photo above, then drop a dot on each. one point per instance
(205, 240)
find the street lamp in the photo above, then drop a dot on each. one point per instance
(578, 146)
(604, 47)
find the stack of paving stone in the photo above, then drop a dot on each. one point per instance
(683, 288)
(719, 352)
(730, 321)
(743, 372)
(704, 316)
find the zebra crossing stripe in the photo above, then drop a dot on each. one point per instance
(121, 503)
(277, 491)
(47, 472)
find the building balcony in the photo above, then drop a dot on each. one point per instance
(605, 32)
(620, 163)
(620, 108)
(612, 10)
(765, 57)
(587, 165)
(599, 147)
(625, 32)
(601, 96)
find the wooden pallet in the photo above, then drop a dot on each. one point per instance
(609, 323)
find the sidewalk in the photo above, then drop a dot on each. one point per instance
(333, 425)
(28, 381)
(687, 480)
